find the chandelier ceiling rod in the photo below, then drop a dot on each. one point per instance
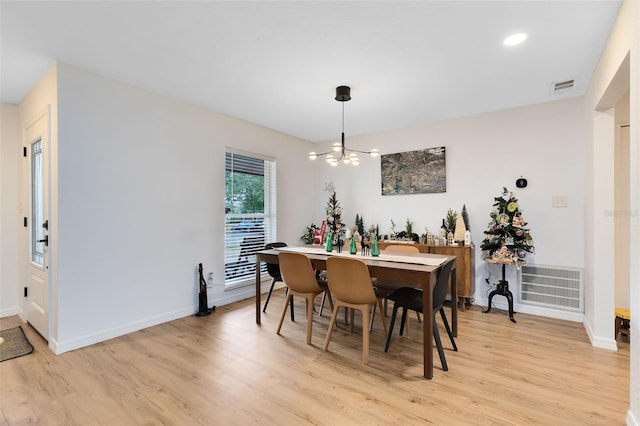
(343, 94)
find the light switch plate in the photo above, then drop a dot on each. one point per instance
(559, 201)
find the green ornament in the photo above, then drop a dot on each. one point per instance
(352, 247)
(375, 251)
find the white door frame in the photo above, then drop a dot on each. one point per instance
(37, 298)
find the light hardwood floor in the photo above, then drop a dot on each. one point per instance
(225, 370)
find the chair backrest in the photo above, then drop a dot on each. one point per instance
(349, 280)
(273, 269)
(249, 246)
(442, 284)
(297, 272)
(402, 248)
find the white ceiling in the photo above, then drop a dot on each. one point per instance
(277, 63)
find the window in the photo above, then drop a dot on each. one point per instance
(37, 204)
(250, 213)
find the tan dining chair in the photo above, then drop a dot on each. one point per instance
(350, 285)
(300, 278)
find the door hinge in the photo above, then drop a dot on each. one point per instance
(24, 151)
(25, 291)
(25, 222)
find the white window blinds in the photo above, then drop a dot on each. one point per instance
(249, 213)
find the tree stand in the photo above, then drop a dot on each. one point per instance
(502, 289)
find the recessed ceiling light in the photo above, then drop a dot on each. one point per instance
(512, 40)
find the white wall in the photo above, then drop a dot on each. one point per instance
(544, 143)
(140, 197)
(10, 153)
(618, 70)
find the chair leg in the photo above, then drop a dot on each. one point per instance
(390, 332)
(309, 298)
(284, 311)
(403, 321)
(328, 293)
(446, 326)
(291, 303)
(324, 296)
(436, 337)
(332, 323)
(383, 316)
(365, 335)
(373, 315)
(273, 283)
(351, 313)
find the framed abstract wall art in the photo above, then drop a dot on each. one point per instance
(414, 172)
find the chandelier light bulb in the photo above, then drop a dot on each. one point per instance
(374, 152)
(337, 147)
(313, 155)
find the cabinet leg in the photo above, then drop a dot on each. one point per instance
(462, 303)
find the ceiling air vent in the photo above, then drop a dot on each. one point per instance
(563, 86)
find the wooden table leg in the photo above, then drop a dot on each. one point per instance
(258, 289)
(427, 324)
(454, 305)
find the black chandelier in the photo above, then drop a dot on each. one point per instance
(343, 94)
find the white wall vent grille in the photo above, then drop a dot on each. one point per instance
(552, 286)
(562, 86)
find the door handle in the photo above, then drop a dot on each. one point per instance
(45, 240)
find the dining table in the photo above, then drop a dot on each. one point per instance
(419, 270)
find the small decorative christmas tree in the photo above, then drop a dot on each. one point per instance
(334, 213)
(461, 229)
(465, 217)
(507, 237)
(450, 220)
(310, 234)
(360, 224)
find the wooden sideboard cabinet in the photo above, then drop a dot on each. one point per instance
(465, 266)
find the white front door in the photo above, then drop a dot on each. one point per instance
(37, 256)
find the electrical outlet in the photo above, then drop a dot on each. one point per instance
(559, 201)
(210, 279)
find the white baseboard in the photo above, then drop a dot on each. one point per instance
(9, 312)
(599, 342)
(239, 293)
(631, 419)
(90, 339)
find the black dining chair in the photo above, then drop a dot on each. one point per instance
(409, 298)
(273, 269)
